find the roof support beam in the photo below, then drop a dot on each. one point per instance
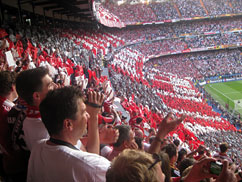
(52, 7)
(26, 2)
(80, 2)
(43, 3)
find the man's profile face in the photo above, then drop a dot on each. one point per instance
(48, 84)
(80, 123)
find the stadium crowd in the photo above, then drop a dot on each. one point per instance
(167, 10)
(181, 29)
(165, 47)
(60, 120)
(222, 7)
(190, 9)
(199, 65)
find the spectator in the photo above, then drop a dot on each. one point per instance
(182, 154)
(32, 86)
(66, 118)
(222, 154)
(165, 166)
(133, 165)
(172, 152)
(185, 163)
(201, 151)
(8, 95)
(125, 141)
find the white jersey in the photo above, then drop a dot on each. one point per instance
(34, 131)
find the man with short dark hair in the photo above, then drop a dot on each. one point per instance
(126, 140)
(32, 86)
(24, 119)
(66, 117)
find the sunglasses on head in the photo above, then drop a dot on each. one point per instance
(157, 159)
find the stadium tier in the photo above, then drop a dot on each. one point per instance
(114, 14)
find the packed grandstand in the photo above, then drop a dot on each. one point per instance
(153, 59)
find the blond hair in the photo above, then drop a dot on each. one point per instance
(132, 166)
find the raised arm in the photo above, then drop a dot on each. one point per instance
(95, 100)
(167, 125)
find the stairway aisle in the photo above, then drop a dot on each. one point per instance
(205, 9)
(177, 9)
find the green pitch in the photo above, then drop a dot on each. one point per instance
(227, 93)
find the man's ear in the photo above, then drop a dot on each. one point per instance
(36, 96)
(68, 125)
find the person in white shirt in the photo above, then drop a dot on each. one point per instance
(32, 86)
(66, 116)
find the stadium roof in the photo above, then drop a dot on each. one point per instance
(73, 8)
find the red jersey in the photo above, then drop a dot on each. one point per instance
(5, 107)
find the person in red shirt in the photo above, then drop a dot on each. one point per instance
(7, 95)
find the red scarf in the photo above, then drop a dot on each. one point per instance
(32, 111)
